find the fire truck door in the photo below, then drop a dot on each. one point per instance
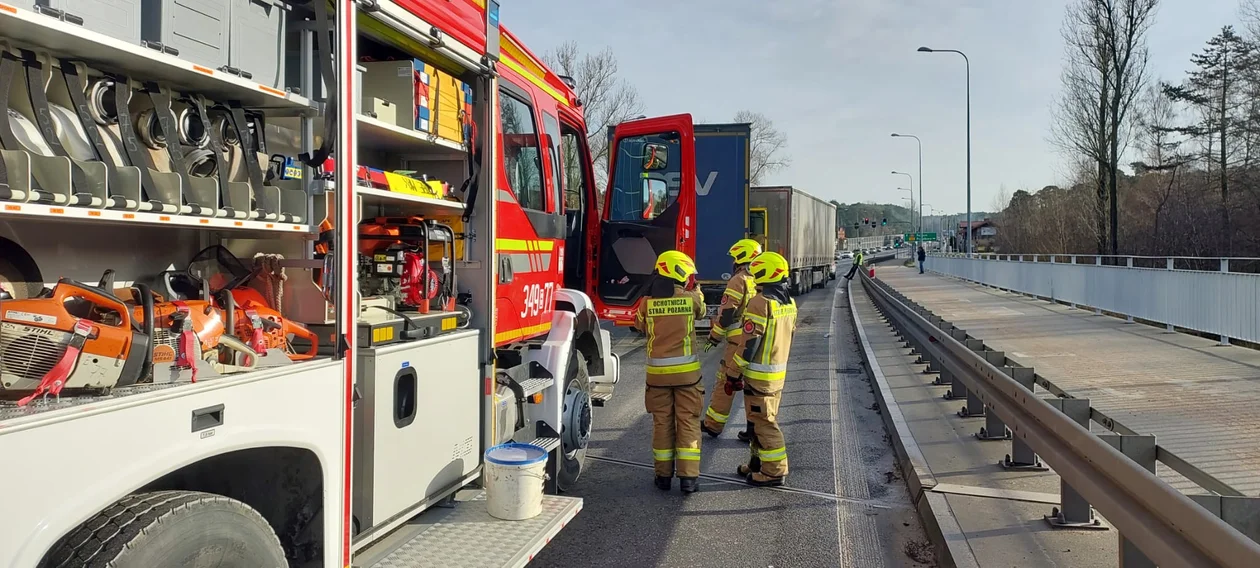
(649, 206)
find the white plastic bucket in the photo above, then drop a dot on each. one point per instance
(514, 481)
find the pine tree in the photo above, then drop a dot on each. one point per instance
(1216, 90)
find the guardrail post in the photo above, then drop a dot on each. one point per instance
(1022, 456)
(957, 389)
(1140, 449)
(994, 427)
(975, 407)
(1073, 512)
(1242, 513)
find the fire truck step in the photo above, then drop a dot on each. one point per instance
(532, 386)
(599, 398)
(546, 443)
(457, 537)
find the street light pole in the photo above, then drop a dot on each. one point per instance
(968, 64)
(911, 208)
(919, 143)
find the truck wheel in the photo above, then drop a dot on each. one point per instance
(576, 420)
(170, 528)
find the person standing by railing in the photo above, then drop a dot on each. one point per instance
(922, 257)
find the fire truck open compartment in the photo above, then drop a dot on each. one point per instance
(138, 214)
(124, 163)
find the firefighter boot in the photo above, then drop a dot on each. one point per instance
(758, 479)
(742, 435)
(664, 483)
(754, 464)
(689, 484)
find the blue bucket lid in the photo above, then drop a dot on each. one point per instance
(513, 453)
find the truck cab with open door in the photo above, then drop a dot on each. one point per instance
(643, 214)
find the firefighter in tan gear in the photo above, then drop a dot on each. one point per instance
(725, 329)
(769, 323)
(674, 394)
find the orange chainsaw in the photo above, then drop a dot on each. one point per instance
(218, 276)
(74, 336)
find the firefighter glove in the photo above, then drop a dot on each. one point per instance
(710, 344)
(733, 385)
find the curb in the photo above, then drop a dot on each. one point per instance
(942, 528)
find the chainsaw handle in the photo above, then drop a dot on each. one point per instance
(66, 289)
(300, 330)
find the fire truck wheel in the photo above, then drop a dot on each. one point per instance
(576, 421)
(170, 528)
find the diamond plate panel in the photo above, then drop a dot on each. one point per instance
(9, 410)
(468, 537)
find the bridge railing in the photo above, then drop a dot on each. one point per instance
(1206, 295)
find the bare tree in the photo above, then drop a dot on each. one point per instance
(768, 145)
(1105, 72)
(1081, 118)
(607, 100)
(1127, 22)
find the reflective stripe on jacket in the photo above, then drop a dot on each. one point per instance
(739, 290)
(775, 324)
(670, 325)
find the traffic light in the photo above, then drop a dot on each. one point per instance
(866, 220)
(884, 222)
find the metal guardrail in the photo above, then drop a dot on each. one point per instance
(1159, 521)
(1221, 302)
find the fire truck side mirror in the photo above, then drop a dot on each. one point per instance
(655, 157)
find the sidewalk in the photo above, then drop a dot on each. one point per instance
(983, 515)
(1201, 400)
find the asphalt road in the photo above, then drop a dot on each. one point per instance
(845, 504)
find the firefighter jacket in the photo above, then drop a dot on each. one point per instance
(769, 323)
(726, 322)
(669, 320)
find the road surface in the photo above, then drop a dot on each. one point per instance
(846, 504)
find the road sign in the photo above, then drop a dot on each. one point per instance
(911, 237)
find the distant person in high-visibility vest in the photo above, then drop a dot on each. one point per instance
(858, 257)
(726, 328)
(674, 395)
(769, 324)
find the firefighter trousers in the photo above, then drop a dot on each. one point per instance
(765, 438)
(720, 403)
(675, 428)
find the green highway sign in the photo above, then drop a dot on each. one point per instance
(911, 237)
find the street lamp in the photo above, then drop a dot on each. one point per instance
(909, 207)
(968, 63)
(920, 145)
(911, 190)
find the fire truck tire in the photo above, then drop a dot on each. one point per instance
(577, 420)
(173, 529)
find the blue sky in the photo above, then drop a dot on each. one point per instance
(838, 76)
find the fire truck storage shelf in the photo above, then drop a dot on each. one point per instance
(382, 196)
(25, 28)
(377, 135)
(466, 536)
(133, 218)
